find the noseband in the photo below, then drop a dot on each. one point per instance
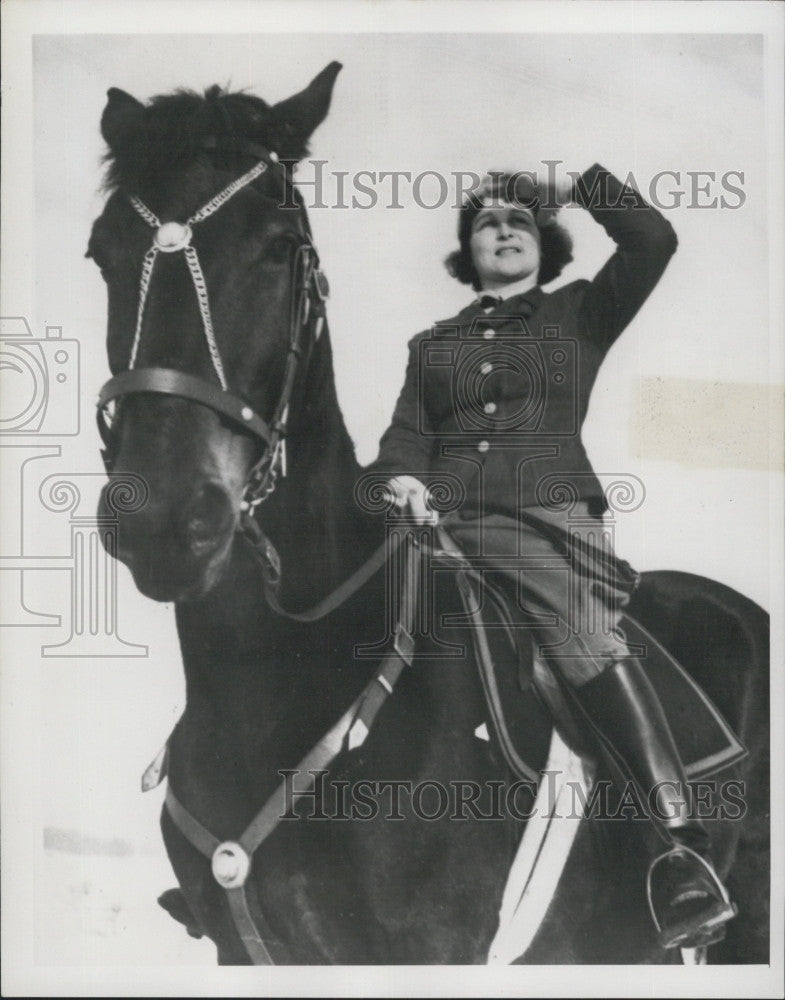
(309, 294)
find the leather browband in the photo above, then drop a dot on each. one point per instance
(169, 382)
(236, 144)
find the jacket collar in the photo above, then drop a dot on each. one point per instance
(523, 304)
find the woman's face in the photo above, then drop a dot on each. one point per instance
(505, 245)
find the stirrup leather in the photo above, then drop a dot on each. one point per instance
(702, 928)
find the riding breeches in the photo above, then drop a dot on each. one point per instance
(564, 584)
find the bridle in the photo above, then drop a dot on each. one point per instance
(310, 291)
(309, 294)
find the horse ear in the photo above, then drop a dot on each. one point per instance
(303, 112)
(121, 114)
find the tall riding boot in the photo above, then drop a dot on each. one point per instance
(689, 904)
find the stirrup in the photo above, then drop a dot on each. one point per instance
(700, 929)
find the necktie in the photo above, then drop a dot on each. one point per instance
(490, 301)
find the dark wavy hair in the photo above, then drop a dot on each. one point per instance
(516, 189)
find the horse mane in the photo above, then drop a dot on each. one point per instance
(168, 136)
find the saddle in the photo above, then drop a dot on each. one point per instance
(525, 699)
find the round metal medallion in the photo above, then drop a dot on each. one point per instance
(172, 236)
(230, 865)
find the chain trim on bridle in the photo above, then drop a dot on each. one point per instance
(309, 293)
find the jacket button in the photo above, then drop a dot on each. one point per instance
(490, 407)
(483, 446)
(489, 334)
(486, 368)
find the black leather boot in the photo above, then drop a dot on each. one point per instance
(689, 904)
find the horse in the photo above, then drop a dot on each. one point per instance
(245, 517)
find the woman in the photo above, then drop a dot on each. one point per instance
(496, 396)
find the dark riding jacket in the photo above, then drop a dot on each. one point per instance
(493, 403)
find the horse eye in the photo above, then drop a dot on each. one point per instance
(100, 259)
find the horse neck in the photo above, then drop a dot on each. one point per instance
(313, 519)
(238, 654)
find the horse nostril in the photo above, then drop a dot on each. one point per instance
(208, 518)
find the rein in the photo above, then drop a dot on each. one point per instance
(310, 292)
(267, 556)
(232, 861)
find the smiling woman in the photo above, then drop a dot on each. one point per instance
(508, 228)
(505, 248)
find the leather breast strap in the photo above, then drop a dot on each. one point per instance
(232, 860)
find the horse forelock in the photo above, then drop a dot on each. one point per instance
(170, 135)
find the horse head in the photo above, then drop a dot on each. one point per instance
(215, 303)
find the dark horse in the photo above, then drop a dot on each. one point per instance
(199, 347)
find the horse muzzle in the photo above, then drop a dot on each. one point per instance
(177, 551)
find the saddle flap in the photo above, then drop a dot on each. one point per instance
(525, 700)
(706, 742)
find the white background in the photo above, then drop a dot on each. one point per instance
(634, 98)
